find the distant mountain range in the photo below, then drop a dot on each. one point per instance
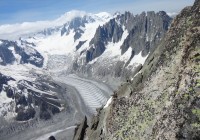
(91, 44)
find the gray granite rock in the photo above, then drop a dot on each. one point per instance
(144, 32)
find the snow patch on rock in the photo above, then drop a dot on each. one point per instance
(138, 59)
(108, 103)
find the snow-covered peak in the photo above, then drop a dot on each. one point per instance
(15, 31)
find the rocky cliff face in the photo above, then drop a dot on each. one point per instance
(20, 53)
(144, 32)
(116, 45)
(162, 101)
(6, 56)
(76, 25)
(30, 99)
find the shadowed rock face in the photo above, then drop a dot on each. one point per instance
(31, 97)
(80, 130)
(162, 101)
(144, 32)
(27, 54)
(80, 44)
(35, 58)
(95, 52)
(47, 104)
(6, 56)
(52, 138)
(133, 35)
(110, 32)
(4, 81)
(76, 25)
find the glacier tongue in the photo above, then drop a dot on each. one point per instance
(94, 94)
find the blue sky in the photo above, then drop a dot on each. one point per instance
(16, 11)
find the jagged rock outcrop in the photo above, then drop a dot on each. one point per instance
(31, 96)
(144, 32)
(162, 101)
(31, 99)
(11, 52)
(28, 54)
(6, 56)
(110, 32)
(4, 80)
(80, 44)
(76, 25)
(80, 130)
(116, 45)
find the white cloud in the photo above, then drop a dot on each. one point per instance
(173, 14)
